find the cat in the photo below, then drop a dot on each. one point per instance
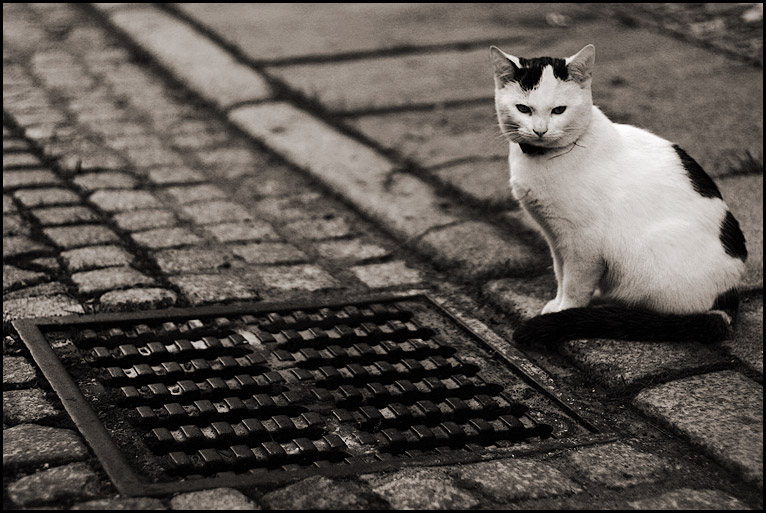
(643, 245)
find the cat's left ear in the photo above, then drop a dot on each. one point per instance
(505, 66)
(580, 65)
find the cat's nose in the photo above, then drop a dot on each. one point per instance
(540, 133)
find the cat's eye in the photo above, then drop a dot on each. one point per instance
(523, 108)
(559, 110)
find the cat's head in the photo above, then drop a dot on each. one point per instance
(545, 101)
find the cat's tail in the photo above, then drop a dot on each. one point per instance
(623, 323)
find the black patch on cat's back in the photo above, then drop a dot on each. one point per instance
(701, 182)
(528, 76)
(732, 238)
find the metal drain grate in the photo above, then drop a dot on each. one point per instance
(224, 396)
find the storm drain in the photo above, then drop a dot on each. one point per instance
(226, 396)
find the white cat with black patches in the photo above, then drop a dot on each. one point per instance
(629, 217)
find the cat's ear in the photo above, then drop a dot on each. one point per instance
(580, 65)
(504, 66)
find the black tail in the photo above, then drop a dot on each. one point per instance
(622, 323)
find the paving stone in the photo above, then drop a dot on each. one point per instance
(619, 465)
(621, 364)
(103, 280)
(318, 229)
(56, 216)
(720, 412)
(17, 160)
(95, 257)
(509, 480)
(18, 372)
(217, 498)
(41, 306)
(213, 288)
(269, 253)
(322, 493)
(121, 201)
(48, 197)
(388, 274)
(230, 163)
(8, 205)
(75, 481)
(155, 155)
(690, 499)
(420, 489)
(69, 237)
(744, 195)
(15, 278)
(15, 225)
(216, 212)
(49, 264)
(28, 406)
(137, 299)
(522, 296)
(11, 145)
(202, 64)
(44, 289)
(19, 245)
(195, 193)
(175, 261)
(174, 175)
(747, 343)
(165, 238)
(105, 180)
(486, 182)
(138, 220)
(243, 232)
(478, 249)
(353, 250)
(287, 209)
(28, 446)
(28, 178)
(130, 504)
(297, 277)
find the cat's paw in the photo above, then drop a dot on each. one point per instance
(552, 306)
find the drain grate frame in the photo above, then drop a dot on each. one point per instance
(574, 430)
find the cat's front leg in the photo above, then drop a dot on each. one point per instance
(581, 279)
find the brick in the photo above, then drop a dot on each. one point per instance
(297, 277)
(28, 446)
(32, 198)
(174, 175)
(720, 412)
(318, 229)
(269, 253)
(15, 278)
(195, 193)
(691, 500)
(353, 250)
(43, 306)
(419, 489)
(95, 257)
(68, 237)
(217, 498)
(388, 274)
(137, 299)
(18, 372)
(28, 407)
(138, 220)
(175, 261)
(319, 492)
(57, 216)
(508, 480)
(28, 178)
(243, 232)
(165, 238)
(619, 465)
(102, 280)
(199, 62)
(106, 180)
(215, 212)
(214, 288)
(75, 481)
(121, 201)
(18, 245)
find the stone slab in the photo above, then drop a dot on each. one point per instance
(721, 412)
(744, 195)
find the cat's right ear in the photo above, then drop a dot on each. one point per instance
(505, 68)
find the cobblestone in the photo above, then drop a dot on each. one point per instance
(28, 445)
(44, 289)
(75, 236)
(174, 175)
(95, 257)
(138, 220)
(42, 306)
(321, 493)
(195, 193)
(103, 280)
(353, 250)
(129, 504)
(18, 372)
(56, 216)
(75, 481)
(14, 225)
(216, 212)
(243, 232)
(387, 275)
(28, 178)
(19, 160)
(747, 343)
(215, 288)
(215, 499)
(123, 200)
(690, 499)
(318, 229)
(49, 197)
(269, 253)
(15, 278)
(162, 238)
(297, 277)
(28, 406)
(419, 489)
(108, 180)
(175, 261)
(619, 465)
(137, 299)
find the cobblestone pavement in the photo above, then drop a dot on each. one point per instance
(145, 167)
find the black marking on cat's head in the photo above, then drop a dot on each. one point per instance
(732, 238)
(701, 182)
(528, 76)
